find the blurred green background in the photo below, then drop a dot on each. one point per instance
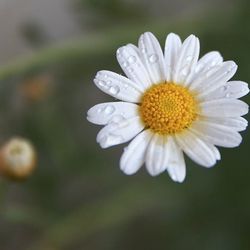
(78, 198)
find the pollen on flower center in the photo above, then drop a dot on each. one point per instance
(168, 108)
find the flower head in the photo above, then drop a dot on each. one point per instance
(170, 103)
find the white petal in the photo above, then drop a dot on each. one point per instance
(152, 57)
(217, 134)
(210, 145)
(236, 123)
(155, 155)
(215, 151)
(119, 132)
(172, 48)
(133, 156)
(118, 86)
(216, 77)
(223, 108)
(232, 89)
(208, 61)
(104, 113)
(132, 65)
(175, 163)
(196, 149)
(187, 60)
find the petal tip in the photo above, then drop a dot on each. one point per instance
(127, 170)
(88, 118)
(148, 33)
(177, 179)
(191, 37)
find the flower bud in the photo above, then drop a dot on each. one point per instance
(17, 159)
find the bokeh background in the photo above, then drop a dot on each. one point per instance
(78, 198)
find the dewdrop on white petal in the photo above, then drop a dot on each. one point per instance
(170, 104)
(17, 159)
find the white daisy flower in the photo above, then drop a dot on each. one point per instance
(170, 103)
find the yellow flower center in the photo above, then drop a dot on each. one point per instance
(168, 108)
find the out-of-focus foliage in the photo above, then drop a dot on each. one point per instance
(110, 12)
(78, 198)
(33, 34)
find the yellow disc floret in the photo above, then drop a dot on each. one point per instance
(168, 108)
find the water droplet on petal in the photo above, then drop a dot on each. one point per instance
(230, 69)
(228, 95)
(225, 87)
(144, 51)
(125, 86)
(125, 64)
(108, 82)
(130, 70)
(109, 109)
(153, 58)
(131, 59)
(213, 63)
(189, 58)
(199, 67)
(101, 83)
(117, 118)
(114, 90)
(243, 89)
(184, 71)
